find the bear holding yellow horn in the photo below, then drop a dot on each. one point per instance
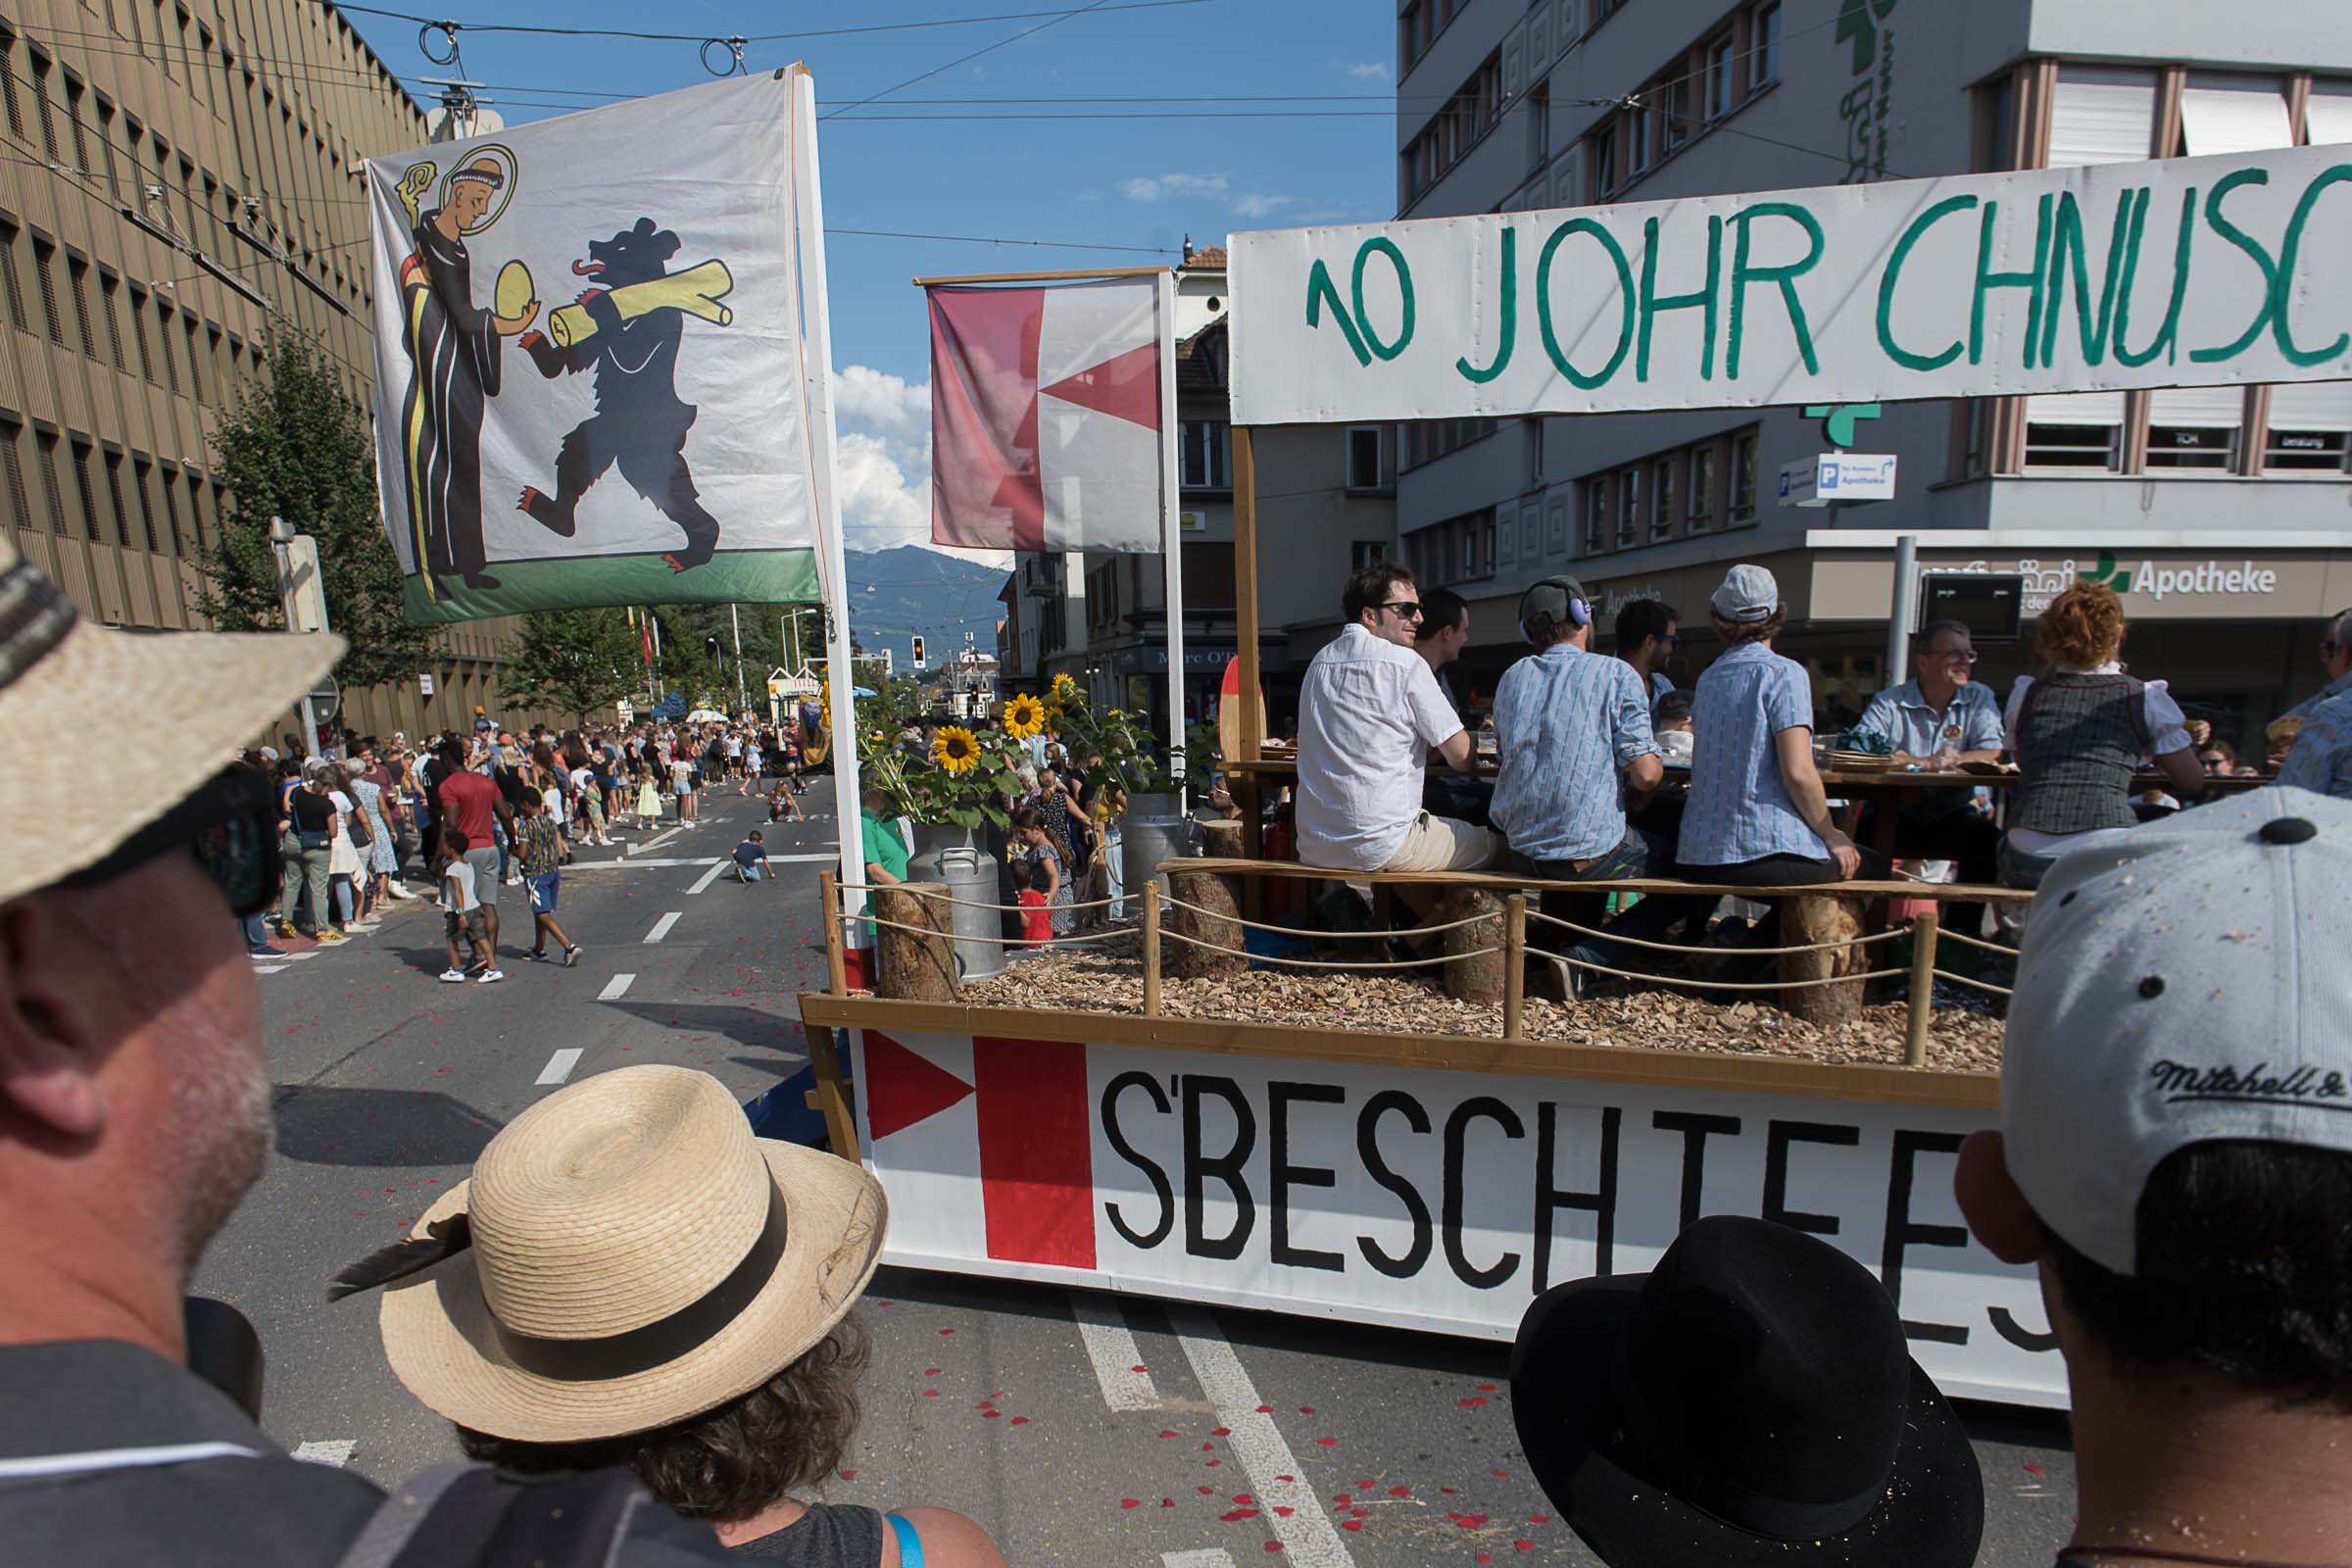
(625, 330)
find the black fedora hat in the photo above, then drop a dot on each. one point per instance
(1749, 1401)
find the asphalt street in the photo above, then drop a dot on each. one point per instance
(1077, 1427)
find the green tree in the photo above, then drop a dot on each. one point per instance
(574, 659)
(295, 447)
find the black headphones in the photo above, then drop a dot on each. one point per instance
(1537, 619)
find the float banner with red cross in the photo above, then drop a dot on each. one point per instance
(1413, 1198)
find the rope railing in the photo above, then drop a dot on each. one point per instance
(918, 890)
(1925, 930)
(1980, 941)
(1677, 947)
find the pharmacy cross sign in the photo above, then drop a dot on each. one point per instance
(2182, 272)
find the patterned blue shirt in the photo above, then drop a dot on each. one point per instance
(2322, 757)
(1740, 809)
(1567, 725)
(2310, 705)
(1902, 714)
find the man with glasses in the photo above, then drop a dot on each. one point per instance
(2322, 755)
(1647, 635)
(1941, 718)
(1369, 712)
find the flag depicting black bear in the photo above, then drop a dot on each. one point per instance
(590, 384)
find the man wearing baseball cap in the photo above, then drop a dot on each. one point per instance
(2175, 1158)
(134, 1102)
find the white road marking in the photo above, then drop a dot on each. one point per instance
(661, 926)
(828, 857)
(710, 877)
(297, 957)
(335, 1454)
(615, 988)
(655, 863)
(558, 1066)
(1208, 1557)
(1110, 1346)
(660, 837)
(267, 968)
(1308, 1538)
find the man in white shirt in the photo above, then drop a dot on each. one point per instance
(1368, 713)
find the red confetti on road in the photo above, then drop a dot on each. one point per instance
(1138, 1367)
(1221, 1432)
(1168, 1433)
(848, 1475)
(1273, 1545)
(1327, 1443)
(931, 1371)
(1351, 1524)
(1020, 1420)
(1400, 1492)
(1469, 1521)
(944, 1333)
(1131, 1502)
(930, 1394)
(1473, 1402)
(1236, 1515)
(1522, 1545)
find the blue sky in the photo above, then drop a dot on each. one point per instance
(1205, 170)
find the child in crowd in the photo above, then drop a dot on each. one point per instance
(461, 913)
(1036, 920)
(751, 860)
(543, 876)
(1670, 724)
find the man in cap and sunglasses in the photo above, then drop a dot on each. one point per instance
(1942, 719)
(135, 1102)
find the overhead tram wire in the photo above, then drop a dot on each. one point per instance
(962, 60)
(439, 22)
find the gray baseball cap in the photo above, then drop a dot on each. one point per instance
(2186, 984)
(1748, 593)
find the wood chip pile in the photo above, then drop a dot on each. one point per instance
(1963, 1036)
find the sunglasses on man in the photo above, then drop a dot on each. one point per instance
(1407, 609)
(229, 826)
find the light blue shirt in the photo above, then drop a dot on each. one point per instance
(1567, 725)
(1740, 809)
(2310, 705)
(1904, 716)
(2322, 757)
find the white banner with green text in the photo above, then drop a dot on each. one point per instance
(2181, 272)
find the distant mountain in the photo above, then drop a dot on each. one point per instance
(894, 593)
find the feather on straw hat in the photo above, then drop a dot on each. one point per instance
(625, 1255)
(203, 693)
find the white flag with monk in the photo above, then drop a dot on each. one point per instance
(591, 384)
(1048, 417)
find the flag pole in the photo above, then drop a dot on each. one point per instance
(1171, 523)
(818, 335)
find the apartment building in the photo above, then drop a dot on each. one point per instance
(176, 176)
(2243, 495)
(1326, 506)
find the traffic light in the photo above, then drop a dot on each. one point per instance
(919, 652)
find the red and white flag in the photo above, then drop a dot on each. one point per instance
(1046, 418)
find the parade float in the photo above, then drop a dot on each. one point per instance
(1203, 1102)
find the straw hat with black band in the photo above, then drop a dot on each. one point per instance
(199, 697)
(625, 1255)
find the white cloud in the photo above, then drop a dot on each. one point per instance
(1258, 204)
(1151, 187)
(864, 395)
(880, 506)
(1367, 70)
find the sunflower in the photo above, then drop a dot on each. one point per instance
(956, 749)
(1024, 717)
(1064, 689)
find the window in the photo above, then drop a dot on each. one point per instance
(81, 143)
(1743, 478)
(1486, 545)
(195, 357)
(1629, 506)
(105, 309)
(1719, 77)
(1638, 140)
(40, 105)
(162, 333)
(2074, 431)
(1415, 27)
(138, 331)
(1366, 553)
(1764, 46)
(1701, 490)
(10, 283)
(77, 283)
(172, 515)
(1468, 115)
(138, 482)
(1661, 497)
(1428, 439)
(2101, 115)
(2231, 114)
(1531, 441)
(2195, 427)
(1597, 513)
(82, 490)
(1202, 457)
(45, 276)
(106, 149)
(1364, 470)
(114, 497)
(8, 89)
(2328, 112)
(12, 459)
(56, 494)
(2310, 429)
(1604, 160)
(1677, 90)
(1539, 126)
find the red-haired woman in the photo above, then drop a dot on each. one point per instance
(2078, 732)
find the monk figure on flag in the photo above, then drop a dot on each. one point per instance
(454, 348)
